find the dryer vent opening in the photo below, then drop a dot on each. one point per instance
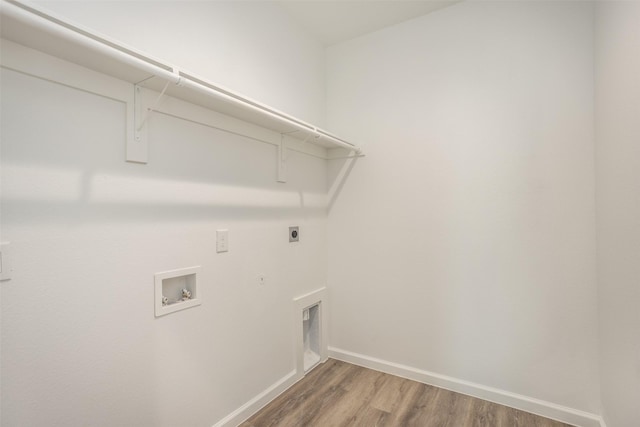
(311, 336)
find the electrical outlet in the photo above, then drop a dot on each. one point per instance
(294, 234)
(222, 241)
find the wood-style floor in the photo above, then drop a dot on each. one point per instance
(339, 394)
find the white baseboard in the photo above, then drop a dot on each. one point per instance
(513, 400)
(254, 405)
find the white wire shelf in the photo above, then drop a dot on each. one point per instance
(32, 27)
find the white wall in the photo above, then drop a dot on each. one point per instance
(88, 231)
(251, 47)
(464, 244)
(618, 203)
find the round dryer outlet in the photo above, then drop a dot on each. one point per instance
(294, 234)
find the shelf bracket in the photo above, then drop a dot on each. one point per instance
(138, 145)
(140, 124)
(282, 160)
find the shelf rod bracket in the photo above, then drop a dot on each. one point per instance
(138, 145)
(282, 160)
(150, 110)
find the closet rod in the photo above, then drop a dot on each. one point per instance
(196, 86)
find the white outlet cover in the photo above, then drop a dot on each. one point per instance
(222, 241)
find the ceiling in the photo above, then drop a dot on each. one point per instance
(331, 21)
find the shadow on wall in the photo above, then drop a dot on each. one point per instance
(33, 190)
(338, 176)
(63, 158)
(88, 231)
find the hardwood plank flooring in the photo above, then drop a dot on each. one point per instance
(339, 394)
